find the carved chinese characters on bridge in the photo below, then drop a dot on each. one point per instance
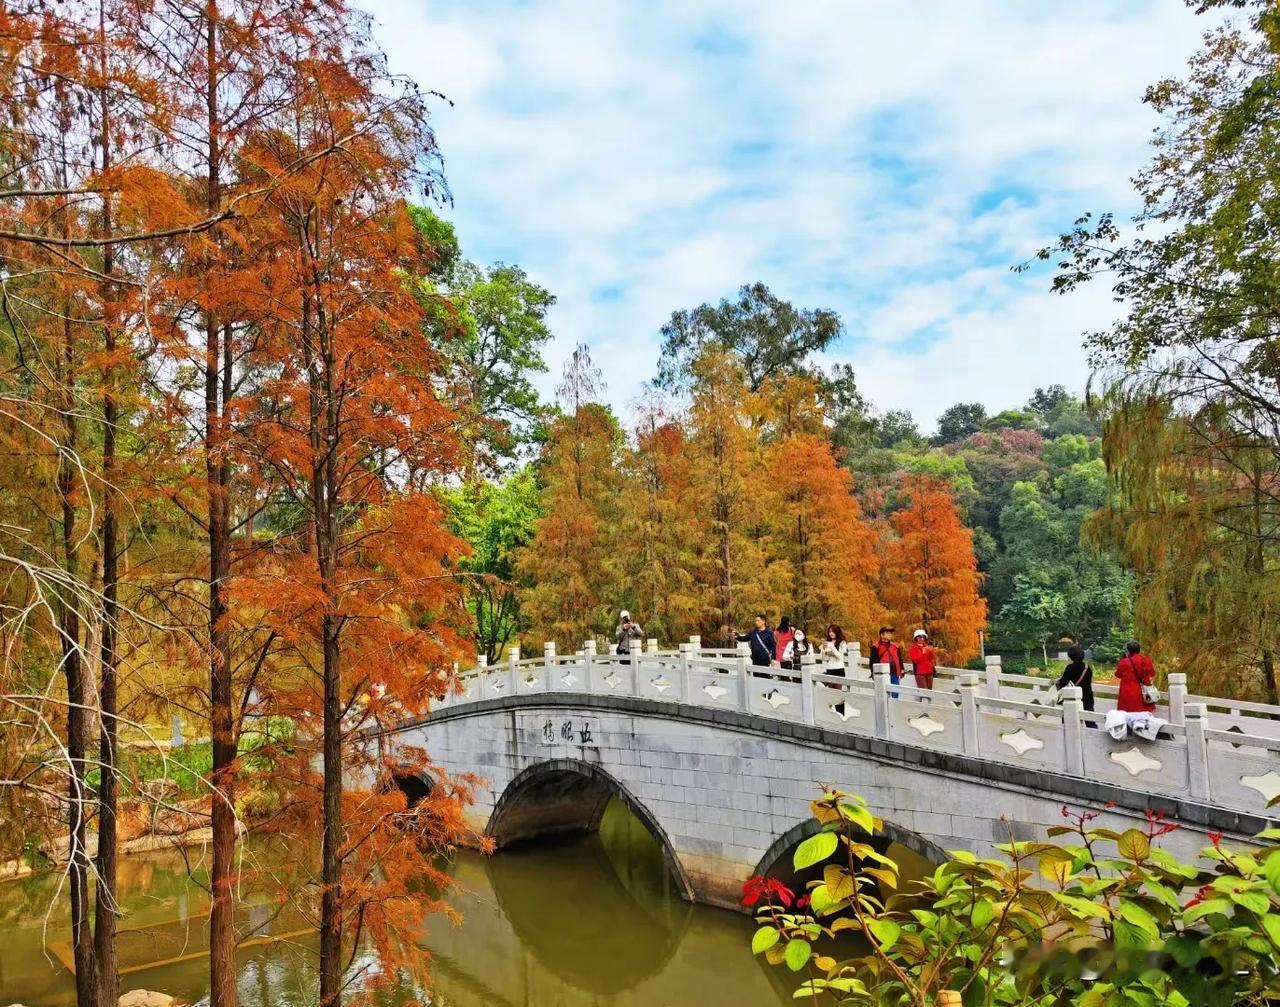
(566, 731)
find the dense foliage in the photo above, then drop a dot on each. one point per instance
(1101, 918)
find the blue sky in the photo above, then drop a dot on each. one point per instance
(887, 159)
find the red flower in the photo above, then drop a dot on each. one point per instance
(1200, 896)
(802, 902)
(1215, 838)
(758, 888)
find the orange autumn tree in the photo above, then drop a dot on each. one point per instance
(930, 578)
(733, 570)
(657, 528)
(357, 581)
(815, 528)
(571, 559)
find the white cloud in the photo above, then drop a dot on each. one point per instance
(889, 160)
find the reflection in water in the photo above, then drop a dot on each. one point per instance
(589, 921)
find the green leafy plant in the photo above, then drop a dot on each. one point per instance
(1100, 919)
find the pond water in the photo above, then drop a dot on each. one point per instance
(588, 921)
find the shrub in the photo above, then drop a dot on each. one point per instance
(1109, 919)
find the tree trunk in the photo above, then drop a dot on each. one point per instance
(73, 666)
(222, 963)
(105, 907)
(77, 720)
(331, 867)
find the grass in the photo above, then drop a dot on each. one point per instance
(191, 765)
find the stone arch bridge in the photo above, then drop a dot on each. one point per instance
(720, 759)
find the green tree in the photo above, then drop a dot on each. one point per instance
(1190, 371)
(1048, 582)
(494, 327)
(768, 335)
(496, 520)
(959, 421)
(897, 428)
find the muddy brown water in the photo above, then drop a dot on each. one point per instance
(592, 921)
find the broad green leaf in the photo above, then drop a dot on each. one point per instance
(764, 939)
(860, 817)
(1139, 918)
(1133, 845)
(845, 923)
(1206, 908)
(1254, 901)
(820, 899)
(1271, 871)
(1165, 894)
(797, 954)
(809, 988)
(1271, 926)
(886, 932)
(814, 850)
(983, 913)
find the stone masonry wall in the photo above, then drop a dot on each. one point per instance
(724, 786)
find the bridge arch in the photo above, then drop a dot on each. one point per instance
(566, 797)
(890, 834)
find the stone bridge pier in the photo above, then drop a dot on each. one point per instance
(726, 792)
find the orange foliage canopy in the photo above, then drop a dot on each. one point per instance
(930, 577)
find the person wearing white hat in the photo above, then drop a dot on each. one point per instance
(923, 659)
(626, 632)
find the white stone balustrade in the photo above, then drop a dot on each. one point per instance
(1219, 752)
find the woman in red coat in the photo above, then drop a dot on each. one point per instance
(1134, 671)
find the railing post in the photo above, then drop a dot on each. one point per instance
(686, 677)
(1177, 698)
(549, 664)
(852, 658)
(1197, 750)
(513, 673)
(807, 661)
(1073, 729)
(588, 662)
(695, 642)
(482, 663)
(993, 675)
(880, 698)
(968, 687)
(652, 643)
(633, 649)
(744, 676)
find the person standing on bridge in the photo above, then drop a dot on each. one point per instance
(626, 632)
(885, 651)
(1080, 674)
(782, 637)
(923, 659)
(832, 654)
(763, 645)
(1137, 677)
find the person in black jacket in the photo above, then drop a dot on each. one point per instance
(1079, 674)
(762, 642)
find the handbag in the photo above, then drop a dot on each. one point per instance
(1150, 694)
(1053, 697)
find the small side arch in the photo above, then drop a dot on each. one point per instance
(890, 834)
(568, 796)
